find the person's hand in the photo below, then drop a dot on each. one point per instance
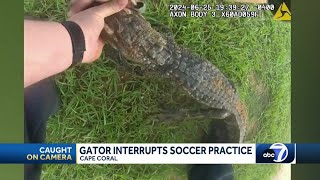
(91, 22)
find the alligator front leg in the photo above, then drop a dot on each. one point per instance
(122, 63)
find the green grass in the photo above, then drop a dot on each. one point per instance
(99, 106)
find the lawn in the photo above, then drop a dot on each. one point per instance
(101, 104)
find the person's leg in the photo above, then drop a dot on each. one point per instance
(41, 100)
(211, 172)
(217, 134)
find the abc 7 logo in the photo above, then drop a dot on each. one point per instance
(270, 155)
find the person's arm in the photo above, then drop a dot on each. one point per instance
(48, 47)
(47, 50)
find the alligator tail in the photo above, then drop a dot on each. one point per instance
(208, 85)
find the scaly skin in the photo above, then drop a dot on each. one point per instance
(129, 33)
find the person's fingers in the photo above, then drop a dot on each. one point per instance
(110, 7)
(80, 5)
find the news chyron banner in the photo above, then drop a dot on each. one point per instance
(167, 153)
(159, 153)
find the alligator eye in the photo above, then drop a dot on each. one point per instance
(139, 5)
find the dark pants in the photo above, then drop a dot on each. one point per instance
(41, 100)
(217, 134)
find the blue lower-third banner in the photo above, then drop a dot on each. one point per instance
(38, 153)
(160, 153)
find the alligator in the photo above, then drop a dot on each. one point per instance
(158, 54)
